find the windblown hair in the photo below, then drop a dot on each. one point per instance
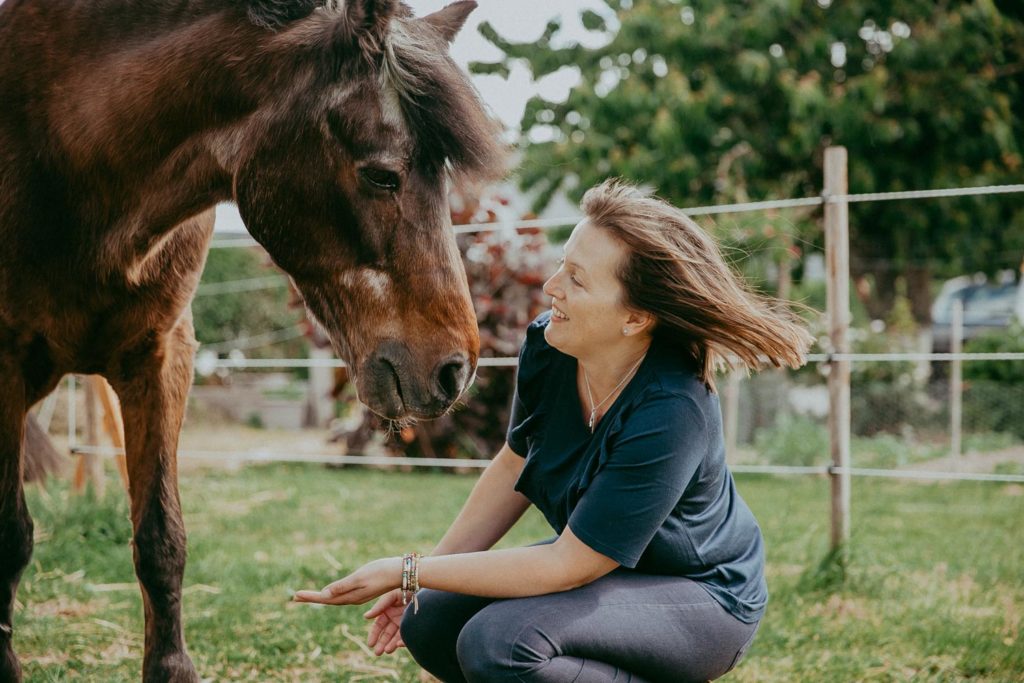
(675, 271)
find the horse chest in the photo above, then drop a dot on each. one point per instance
(87, 327)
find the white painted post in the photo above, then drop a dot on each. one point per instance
(956, 379)
(319, 404)
(837, 265)
(72, 422)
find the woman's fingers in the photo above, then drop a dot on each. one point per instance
(395, 643)
(375, 629)
(387, 635)
(386, 602)
(352, 597)
(325, 594)
(308, 596)
(338, 587)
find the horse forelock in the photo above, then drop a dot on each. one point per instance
(443, 110)
(404, 56)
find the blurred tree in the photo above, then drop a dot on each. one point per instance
(712, 101)
(242, 299)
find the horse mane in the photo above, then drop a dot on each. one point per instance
(275, 14)
(445, 114)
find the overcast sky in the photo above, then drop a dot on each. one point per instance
(518, 21)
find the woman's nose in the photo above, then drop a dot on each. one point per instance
(549, 286)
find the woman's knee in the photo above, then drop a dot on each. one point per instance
(430, 634)
(497, 645)
(419, 629)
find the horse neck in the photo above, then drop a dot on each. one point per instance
(141, 117)
(133, 101)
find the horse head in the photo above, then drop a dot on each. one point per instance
(344, 181)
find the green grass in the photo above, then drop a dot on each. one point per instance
(934, 590)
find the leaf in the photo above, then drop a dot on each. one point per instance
(592, 21)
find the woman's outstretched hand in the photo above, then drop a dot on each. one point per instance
(364, 584)
(385, 636)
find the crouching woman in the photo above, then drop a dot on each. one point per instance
(657, 569)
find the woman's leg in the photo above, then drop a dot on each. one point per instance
(431, 634)
(624, 627)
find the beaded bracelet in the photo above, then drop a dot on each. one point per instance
(411, 580)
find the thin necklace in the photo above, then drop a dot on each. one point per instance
(590, 396)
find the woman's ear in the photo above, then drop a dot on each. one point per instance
(640, 322)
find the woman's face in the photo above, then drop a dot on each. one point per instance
(586, 294)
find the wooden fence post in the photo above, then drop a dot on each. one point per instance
(837, 264)
(956, 379)
(90, 465)
(731, 413)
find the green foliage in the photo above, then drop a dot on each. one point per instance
(710, 101)
(1009, 340)
(994, 389)
(254, 420)
(994, 406)
(237, 315)
(794, 440)
(888, 396)
(1016, 468)
(889, 451)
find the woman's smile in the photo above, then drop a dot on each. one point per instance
(557, 315)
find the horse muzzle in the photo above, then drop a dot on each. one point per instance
(394, 386)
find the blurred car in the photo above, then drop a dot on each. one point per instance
(987, 306)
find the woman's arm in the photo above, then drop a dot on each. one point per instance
(517, 572)
(513, 573)
(490, 511)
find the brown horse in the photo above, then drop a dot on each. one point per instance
(335, 126)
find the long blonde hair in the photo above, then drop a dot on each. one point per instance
(676, 272)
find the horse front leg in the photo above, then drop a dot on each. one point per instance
(15, 522)
(153, 384)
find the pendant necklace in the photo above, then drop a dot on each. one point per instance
(590, 396)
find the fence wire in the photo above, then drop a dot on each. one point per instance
(742, 207)
(473, 463)
(887, 407)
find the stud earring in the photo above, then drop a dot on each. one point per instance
(625, 331)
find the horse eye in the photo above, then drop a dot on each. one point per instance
(381, 178)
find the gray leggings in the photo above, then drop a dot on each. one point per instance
(625, 627)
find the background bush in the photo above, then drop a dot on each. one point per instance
(994, 390)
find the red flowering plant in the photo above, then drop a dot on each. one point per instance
(506, 267)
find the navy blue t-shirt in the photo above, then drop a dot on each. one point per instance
(650, 488)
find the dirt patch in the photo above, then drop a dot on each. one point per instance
(62, 606)
(974, 463)
(844, 609)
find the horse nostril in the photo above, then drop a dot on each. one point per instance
(391, 373)
(451, 378)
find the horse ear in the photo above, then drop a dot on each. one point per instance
(449, 20)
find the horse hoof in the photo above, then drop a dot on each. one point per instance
(176, 668)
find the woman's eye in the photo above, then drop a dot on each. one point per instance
(575, 281)
(381, 178)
